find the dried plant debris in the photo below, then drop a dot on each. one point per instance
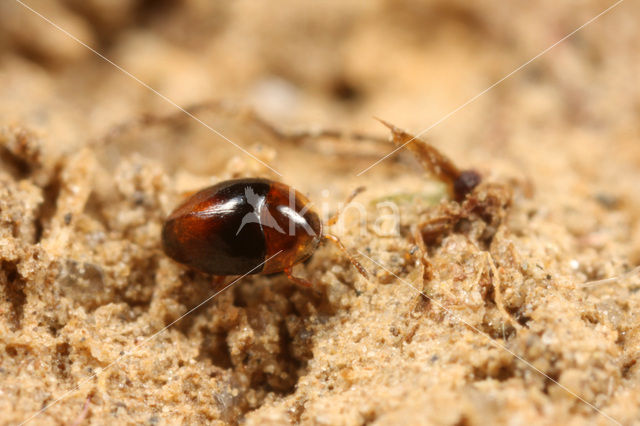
(459, 183)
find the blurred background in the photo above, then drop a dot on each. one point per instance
(334, 65)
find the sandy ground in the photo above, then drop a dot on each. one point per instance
(484, 319)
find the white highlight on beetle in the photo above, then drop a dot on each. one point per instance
(383, 220)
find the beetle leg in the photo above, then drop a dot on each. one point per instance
(297, 280)
(218, 281)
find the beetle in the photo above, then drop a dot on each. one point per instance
(247, 226)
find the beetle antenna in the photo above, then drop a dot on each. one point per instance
(334, 239)
(352, 259)
(333, 219)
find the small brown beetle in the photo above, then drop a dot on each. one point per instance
(248, 225)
